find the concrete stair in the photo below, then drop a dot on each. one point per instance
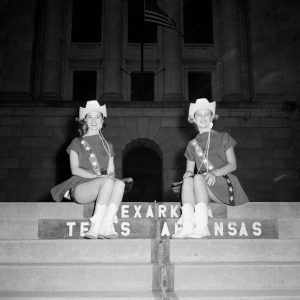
(146, 265)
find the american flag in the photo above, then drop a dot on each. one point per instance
(153, 13)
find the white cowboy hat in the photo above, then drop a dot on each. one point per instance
(201, 103)
(91, 106)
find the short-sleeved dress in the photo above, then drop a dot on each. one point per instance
(227, 189)
(76, 145)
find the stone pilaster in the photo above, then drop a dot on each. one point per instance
(112, 50)
(231, 51)
(172, 55)
(52, 52)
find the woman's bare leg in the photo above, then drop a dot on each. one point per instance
(201, 207)
(116, 197)
(187, 209)
(99, 189)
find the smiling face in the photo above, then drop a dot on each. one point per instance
(94, 121)
(203, 118)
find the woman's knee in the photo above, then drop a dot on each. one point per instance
(108, 182)
(119, 184)
(199, 180)
(188, 182)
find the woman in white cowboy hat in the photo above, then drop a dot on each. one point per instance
(92, 167)
(212, 153)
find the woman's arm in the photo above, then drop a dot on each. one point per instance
(76, 170)
(231, 165)
(190, 167)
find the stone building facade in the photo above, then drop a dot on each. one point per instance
(252, 66)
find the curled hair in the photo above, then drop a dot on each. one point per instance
(83, 127)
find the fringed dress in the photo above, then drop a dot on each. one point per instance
(84, 147)
(227, 189)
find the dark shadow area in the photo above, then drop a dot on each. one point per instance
(144, 166)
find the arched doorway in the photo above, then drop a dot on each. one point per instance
(143, 164)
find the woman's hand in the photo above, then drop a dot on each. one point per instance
(210, 178)
(112, 175)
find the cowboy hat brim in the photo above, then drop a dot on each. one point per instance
(91, 106)
(201, 103)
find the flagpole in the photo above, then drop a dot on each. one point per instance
(142, 55)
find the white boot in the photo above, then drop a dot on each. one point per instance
(107, 229)
(96, 221)
(201, 219)
(188, 217)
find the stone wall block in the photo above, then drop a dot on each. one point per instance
(33, 162)
(240, 112)
(123, 134)
(132, 112)
(6, 131)
(51, 121)
(3, 196)
(250, 122)
(261, 112)
(3, 173)
(279, 113)
(154, 127)
(253, 143)
(10, 121)
(48, 163)
(171, 122)
(41, 173)
(24, 112)
(142, 126)
(9, 163)
(116, 121)
(47, 111)
(256, 163)
(131, 126)
(276, 142)
(232, 122)
(6, 111)
(8, 185)
(223, 112)
(269, 163)
(32, 121)
(42, 131)
(154, 112)
(19, 173)
(35, 141)
(175, 112)
(272, 122)
(282, 132)
(64, 112)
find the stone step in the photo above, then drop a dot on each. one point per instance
(265, 210)
(236, 295)
(217, 251)
(35, 211)
(75, 251)
(236, 276)
(78, 295)
(133, 295)
(140, 251)
(75, 277)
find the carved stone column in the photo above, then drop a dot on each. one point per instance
(52, 51)
(172, 55)
(231, 51)
(112, 50)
